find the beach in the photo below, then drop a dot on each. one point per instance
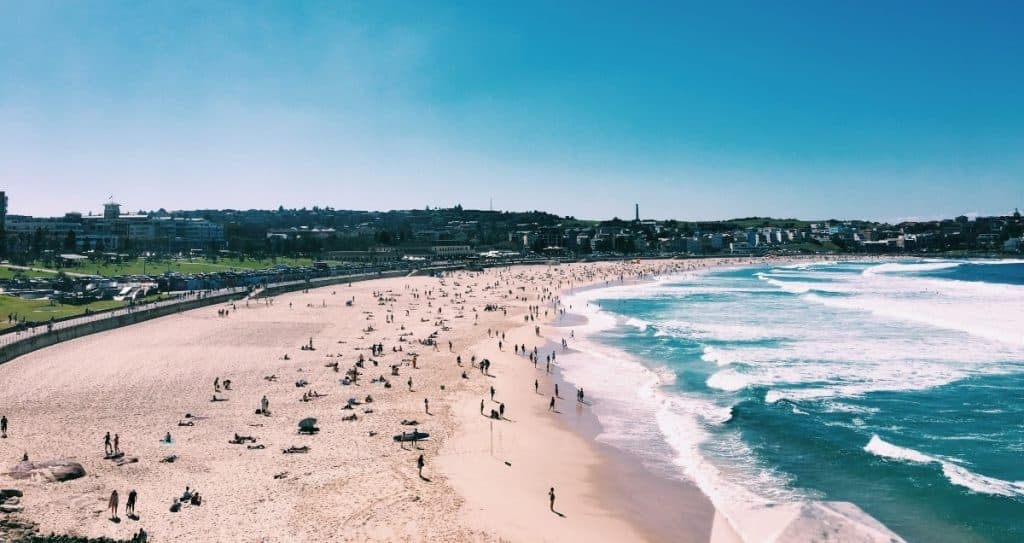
(484, 479)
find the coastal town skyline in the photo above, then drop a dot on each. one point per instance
(820, 111)
(465, 233)
(624, 211)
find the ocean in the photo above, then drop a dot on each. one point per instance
(898, 386)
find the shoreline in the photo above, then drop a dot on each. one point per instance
(512, 506)
(354, 484)
(693, 513)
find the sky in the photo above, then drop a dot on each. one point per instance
(706, 110)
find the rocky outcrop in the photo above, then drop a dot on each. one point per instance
(16, 530)
(10, 500)
(59, 470)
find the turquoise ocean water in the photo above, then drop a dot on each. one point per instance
(897, 386)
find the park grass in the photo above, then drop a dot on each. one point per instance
(43, 310)
(183, 266)
(9, 273)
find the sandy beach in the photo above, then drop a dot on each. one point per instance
(484, 479)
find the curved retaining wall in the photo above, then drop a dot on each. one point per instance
(38, 341)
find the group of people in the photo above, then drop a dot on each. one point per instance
(190, 497)
(129, 505)
(112, 447)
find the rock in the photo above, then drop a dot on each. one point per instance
(51, 470)
(9, 493)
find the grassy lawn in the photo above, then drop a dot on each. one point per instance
(8, 273)
(42, 310)
(186, 266)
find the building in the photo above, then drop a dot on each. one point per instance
(111, 211)
(53, 228)
(752, 238)
(717, 241)
(448, 251)
(176, 234)
(377, 256)
(301, 232)
(3, 222)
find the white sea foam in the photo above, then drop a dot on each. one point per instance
(897, 267)
(954, 473)
(879, 447)
(715, 331)
(636, 414)
(840, 407)
(639, 324)
(836, 339)
(990, 311)
(729, 380)
(720, 356)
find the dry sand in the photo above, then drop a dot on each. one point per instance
(484, 480)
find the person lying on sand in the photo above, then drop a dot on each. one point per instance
(260, 446)
(216, 399)
(242, 439)
(186, 423)
(296, 450)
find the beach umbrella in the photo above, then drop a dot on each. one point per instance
(308, 422)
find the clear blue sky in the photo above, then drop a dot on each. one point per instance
(811, 109)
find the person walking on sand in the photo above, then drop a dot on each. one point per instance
(492, 394)
(107, 448)
(117, 443)
(556, 391)
(3, 426)
(551, 406)
(129, 506)
(481, 407)
(112, 505)
(536, 386)
(419, 465)
(551, 499)
(426, 406)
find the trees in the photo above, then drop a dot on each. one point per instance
(70, 241)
